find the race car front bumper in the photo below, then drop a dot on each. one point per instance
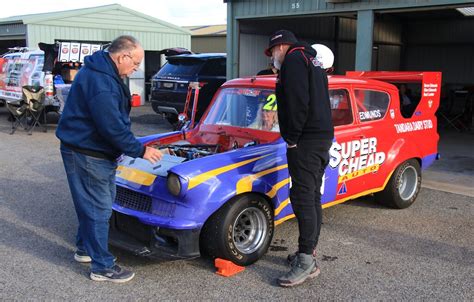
(128, 233)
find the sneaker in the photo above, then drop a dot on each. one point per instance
(82, 257)
(116, 274)
(291, 259)
(304, 268)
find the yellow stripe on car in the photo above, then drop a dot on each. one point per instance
(245, 184)
(282, 206)
(135, 175)
(277, 187)
(329, 204)
(199, 179)
(279, 221)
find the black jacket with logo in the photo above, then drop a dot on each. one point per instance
(304, 109)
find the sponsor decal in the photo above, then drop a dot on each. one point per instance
(249, 92)
(392, 113)
(414, 126)
(370, 115)
(271, 104)
(430, 103)
(430, 89)
(355, 158)
(316, 62)
(343, 189)
(276, 37)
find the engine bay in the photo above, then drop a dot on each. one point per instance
(189, 151)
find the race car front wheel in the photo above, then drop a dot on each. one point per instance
(241, 231)
(404, 185)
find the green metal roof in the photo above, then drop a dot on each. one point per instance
(42, 17)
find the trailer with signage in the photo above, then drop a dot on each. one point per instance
(52, 66)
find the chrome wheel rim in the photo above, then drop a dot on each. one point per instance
(249, 230)
(408, 183)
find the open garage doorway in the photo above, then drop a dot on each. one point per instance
(440, 40)
(337, 32)
(5, 44)
(433, 39)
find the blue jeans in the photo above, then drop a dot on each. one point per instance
(92, 184)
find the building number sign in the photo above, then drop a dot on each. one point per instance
(295, 5)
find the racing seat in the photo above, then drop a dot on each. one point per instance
(33, 98)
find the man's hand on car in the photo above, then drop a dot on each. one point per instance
(152, 155)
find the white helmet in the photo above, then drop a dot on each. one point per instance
(324, 55)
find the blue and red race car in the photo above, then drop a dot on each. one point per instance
(223, 186)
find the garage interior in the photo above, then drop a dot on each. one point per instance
(421, 40)
(12, 35)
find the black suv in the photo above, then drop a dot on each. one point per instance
(170, 85)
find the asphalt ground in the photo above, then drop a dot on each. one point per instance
(366, 251)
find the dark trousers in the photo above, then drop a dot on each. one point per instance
(92, 184)
(306, 164)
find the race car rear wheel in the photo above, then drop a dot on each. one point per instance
(241, 231)
(404, 185)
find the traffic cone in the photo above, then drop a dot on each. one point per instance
(227, 268)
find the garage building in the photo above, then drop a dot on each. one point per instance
(208, 38)
(385, 35)
(97, 24)
(365, 35)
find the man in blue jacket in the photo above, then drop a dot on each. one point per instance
(94, 131)
(304, 115)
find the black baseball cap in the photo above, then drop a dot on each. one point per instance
(280, 37)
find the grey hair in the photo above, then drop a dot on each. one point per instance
(122, 44)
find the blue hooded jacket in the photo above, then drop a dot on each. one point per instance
(96, 113)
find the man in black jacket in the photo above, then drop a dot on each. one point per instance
(304, 115)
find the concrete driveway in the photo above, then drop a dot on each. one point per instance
(366, 251)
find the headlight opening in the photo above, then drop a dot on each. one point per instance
(174, 184)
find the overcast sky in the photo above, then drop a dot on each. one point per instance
(178, 12)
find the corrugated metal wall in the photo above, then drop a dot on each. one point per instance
(105, 26)
(251, 57)
(262, 8)
(254, 38)
(149, 40)
(200, 44)
(446, 46)
(387, 40)
(442, 45)
(12, 31)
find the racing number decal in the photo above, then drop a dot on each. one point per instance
(271, 103)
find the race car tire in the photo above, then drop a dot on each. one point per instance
(241, 231)
(404, 185)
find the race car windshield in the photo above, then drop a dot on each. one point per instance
(246, 108)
